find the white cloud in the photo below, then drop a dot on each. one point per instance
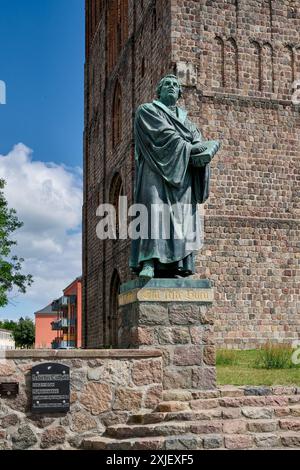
(48, 200)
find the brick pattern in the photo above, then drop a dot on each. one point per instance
(237, 61)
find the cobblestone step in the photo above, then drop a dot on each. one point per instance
(152, 418)
(227, 426)
(285, 440)
(230, 392)
(252, 413)
(226, 418)
(282, 403)
(164, 429)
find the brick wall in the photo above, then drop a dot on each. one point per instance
(237, 61)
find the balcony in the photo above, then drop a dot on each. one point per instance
(60, 324)
(57, 344)
(60, 303)
(72, 299)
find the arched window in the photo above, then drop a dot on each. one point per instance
(112, 323)
(116, 190)
(117, 116)
(256, 78)
(267, 68)
(286, 70)
(232, 64)
(219, 63)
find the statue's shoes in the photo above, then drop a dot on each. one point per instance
(147, 272)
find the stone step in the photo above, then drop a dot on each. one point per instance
(252, 413)
(197, 426)
(229, 391)
(169, 406)
(258, 390)
(188, 395)
(152, 418)
(105, 443)
(122, 431)
(290, 439)
(282, 403)
(286, 440)
(268, 400)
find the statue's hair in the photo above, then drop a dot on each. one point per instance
(159, 86)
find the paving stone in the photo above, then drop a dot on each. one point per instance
(213, 442)
(267, 440)
(262, 426)
(290, 424)
(234, 426)
(257, 413)
(259, 391)
(238, 442)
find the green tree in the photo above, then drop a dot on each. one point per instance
(10, 266)
(8, 325)
(24, 333)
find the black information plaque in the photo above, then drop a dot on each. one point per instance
(50, 388)
(9, 389)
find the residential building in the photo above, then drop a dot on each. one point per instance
(44, 335)
(68, 321)
(6, 340)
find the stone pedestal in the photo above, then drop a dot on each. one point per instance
(175, 316)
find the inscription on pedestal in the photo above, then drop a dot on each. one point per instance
(166, 295)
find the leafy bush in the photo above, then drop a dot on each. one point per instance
(226, 357)
(274, 356)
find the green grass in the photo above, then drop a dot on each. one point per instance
(245, 368)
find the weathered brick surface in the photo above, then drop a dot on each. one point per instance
(243, 98)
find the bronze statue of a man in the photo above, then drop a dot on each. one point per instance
(165, 143)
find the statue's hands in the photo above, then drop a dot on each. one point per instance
(201, 158)
(198, 148)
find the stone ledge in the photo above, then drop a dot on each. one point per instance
(80, 354)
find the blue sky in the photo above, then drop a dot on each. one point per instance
(41, 126)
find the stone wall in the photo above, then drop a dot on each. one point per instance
(106, 387)
(184, 334)
(237, 61)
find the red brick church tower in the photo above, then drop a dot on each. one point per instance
(238, 61)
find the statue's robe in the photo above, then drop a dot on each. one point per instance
(164, 175)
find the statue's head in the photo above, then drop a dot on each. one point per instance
(169, 87)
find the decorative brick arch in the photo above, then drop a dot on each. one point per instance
(256, 76)
(287, 70)
(219, 63)
(267, 68)
(232, 64)
(115, 191)
(117, 115)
